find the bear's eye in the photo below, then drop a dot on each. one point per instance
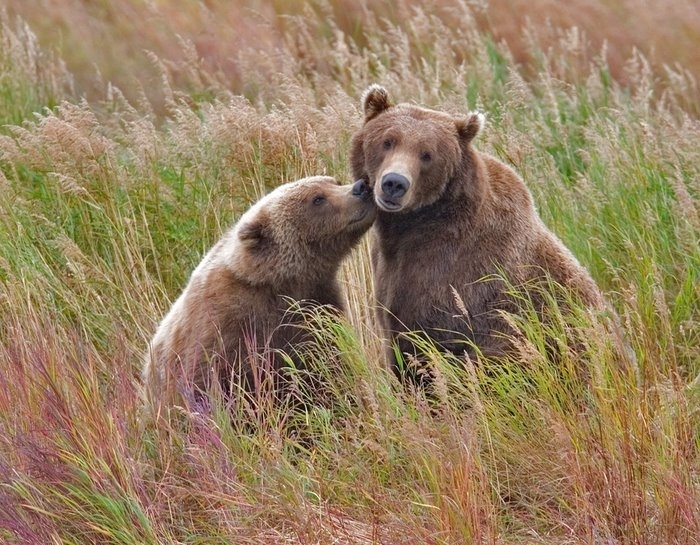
(426, 157)
(318, 200)
(387, 144)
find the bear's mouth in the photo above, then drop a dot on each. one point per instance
(387, 204)
(359, 216)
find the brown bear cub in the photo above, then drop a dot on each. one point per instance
(233, 317)
(452, 222)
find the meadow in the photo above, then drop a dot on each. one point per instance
(109, 196)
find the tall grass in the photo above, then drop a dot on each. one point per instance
(106, 205)
(30, 77)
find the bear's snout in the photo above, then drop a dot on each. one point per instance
(361, 189)
(395, 185)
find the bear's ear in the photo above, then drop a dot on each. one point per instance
(253, 232)
(468, 127)
(375, 100)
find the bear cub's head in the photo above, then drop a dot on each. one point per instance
(408, 154)
(303, 227)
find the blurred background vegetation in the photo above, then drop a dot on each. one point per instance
(119, 41)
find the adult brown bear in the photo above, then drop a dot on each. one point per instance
(452, 223)
(233, 317)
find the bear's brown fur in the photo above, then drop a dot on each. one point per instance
(233, 316)
(452, 222)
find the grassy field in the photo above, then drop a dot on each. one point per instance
(107, 203)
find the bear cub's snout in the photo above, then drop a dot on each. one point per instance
(361, 189)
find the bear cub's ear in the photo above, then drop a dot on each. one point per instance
(375, 100)
(468, 127)
(253, 232)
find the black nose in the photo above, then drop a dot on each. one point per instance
(361, 188)
(395, 185)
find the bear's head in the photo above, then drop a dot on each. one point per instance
(409, 154)
(302, 229)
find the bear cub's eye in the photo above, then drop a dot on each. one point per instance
(387, 144)
(426, 157)
(318, 200)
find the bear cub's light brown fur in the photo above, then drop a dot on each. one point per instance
(233, 316)
(451, 220)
